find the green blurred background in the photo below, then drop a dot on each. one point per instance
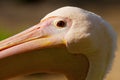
(17, 15)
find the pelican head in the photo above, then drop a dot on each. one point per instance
(82, 44)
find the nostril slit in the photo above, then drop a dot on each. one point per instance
(38, 27)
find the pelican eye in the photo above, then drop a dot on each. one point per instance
(60, 23)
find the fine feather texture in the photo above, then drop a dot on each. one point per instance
(89, 34)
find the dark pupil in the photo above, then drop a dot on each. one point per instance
(61, 24)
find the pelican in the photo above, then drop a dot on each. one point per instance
(70, 41)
